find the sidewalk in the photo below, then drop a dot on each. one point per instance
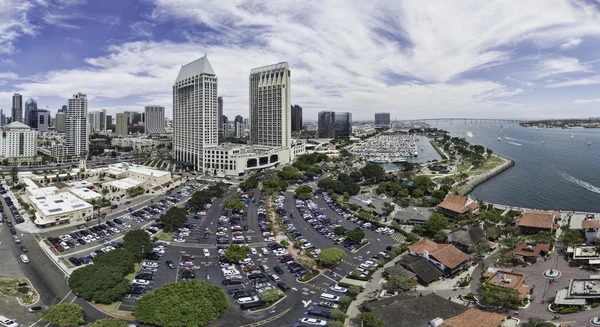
(370, 288)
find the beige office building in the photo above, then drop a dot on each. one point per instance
(122, 128)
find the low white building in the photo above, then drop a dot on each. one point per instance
(85, 193)
(122, 184)
(139, 143)
(17, 140)
(53, 207)
(153, 177)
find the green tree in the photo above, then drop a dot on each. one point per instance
(290, 173)
(233, 204)
(440, 236)
(335, 323)
(274, 185)
(367, 319)
(181, 304)
(423, 181)
(109, 322)
(401, 284)
(135, 240)
(304, 189)
(481, 248)
(339, 230)
(337, 314)
(436, 223)
(98, 283)
(250, 183)
(354, 290)
(13, 175)
(355, 235)
(236, 252)
(174, 218)
(571, 237)
(118, 258)
(511, 242)
(331, 256)
(64, 315)
(543, 237)
(270, 295)
(373, 172)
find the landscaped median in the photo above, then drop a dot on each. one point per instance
(20, 288)
(270, 297)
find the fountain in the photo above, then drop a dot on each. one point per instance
(552, 273)
(595, 321)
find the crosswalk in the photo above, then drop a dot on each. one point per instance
(399, 237)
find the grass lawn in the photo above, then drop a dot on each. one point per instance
(164, 236)
(489, 164)
(112, 309)
(135, 269)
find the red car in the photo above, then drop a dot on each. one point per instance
(58, 247)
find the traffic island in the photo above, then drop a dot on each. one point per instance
(20, 288)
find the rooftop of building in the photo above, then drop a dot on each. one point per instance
(424, 269)
(584, 288)
(538, 219)
(530, 249)
(446, 254)
(84, 193)
(79, 184)
(458, 203)
(468, 235)
(125, 183)
(413, 214)
(58, 203)
(281, 65)
(509, 279)
(139, 169)
(16, 125)
(474, 318)
(197, 67)
(577, 218)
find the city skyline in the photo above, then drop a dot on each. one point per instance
(414, 61)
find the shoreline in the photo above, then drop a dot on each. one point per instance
(477, 180)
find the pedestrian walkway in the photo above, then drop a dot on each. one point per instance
(399, 237)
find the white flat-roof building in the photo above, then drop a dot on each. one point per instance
(53, 207)
(85, 193)
(141, 173)
(79, 184)
(122, 184)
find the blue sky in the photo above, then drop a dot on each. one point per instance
(414, 59)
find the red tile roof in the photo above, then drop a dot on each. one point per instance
(474, 318)
(455, 203)
(530, 250)
(538, 219)
(591, 223)
(446, 254)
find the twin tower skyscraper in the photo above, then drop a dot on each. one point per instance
(196, 114)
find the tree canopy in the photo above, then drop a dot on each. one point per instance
(343, 184)
(373, 172)
(290, 173)
(339, 230)
(118, 258)
(236, 252)
(304, 189)
(369, 320)
(270, 295)
(109, 322)
(274, 185)
(250, 183)
(233, 204)
(173, 218)
(63, 315)
(181, 304)
(571, 237)
(355, 235)
(401, 283)
(436, 223)
(331, 256)
(203, 197)
(135, 240)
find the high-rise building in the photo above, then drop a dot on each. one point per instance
(296, 118)
(102, 121)
(382, 120)
(122, 124)
(30, 105)
(326, 125)
(195, 114)
(63, 108)
(220, 112)
(343, 124)
(39, 120)
(77, 126)
(2, 118)
(109, 123)
(239, 119)
(270, 108)
(239, 130)
(154, 119)
(18, 140)
(17, 108)
(97, 121)
(59, 122)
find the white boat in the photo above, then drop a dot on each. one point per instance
(589, 143)
(572, 136)
(542, 142)
(499, 138)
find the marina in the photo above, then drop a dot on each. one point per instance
(388, 148)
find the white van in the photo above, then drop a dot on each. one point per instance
(248, 299)
(330, 297)
(275, 278)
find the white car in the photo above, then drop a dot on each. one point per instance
(313, 321)
(338, 289)
(141, 282)
(24, 258)
(306, 246)
(150, 264)
(253, 251)
(179, 240)
(264, 251)
(64, 245)
(206, 253)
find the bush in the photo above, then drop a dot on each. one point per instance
(595, 304)
(565, 311)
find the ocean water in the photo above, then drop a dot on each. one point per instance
(563, 173)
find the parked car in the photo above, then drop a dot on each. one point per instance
(24, 258)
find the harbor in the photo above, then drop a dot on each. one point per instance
(388, 148)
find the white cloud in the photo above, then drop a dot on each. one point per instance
(560, 65)
(580, 101)
(141, 29)
(571, 43)
(576, 82)
(8, 75)
(518, 81)
(60, 20)
(14, 22)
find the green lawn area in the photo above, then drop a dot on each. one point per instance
(489, 164)
(164, 236)
(135, 269)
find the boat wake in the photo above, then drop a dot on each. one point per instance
(581, 183)
(514, 143)
(510, 138)
(469, 134)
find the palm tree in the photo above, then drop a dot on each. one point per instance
(13, 175)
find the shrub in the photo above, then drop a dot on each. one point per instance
(565, 311)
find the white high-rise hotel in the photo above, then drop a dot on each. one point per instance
(196, 116)
(270, 107)
(77, 126)
(195, 111)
